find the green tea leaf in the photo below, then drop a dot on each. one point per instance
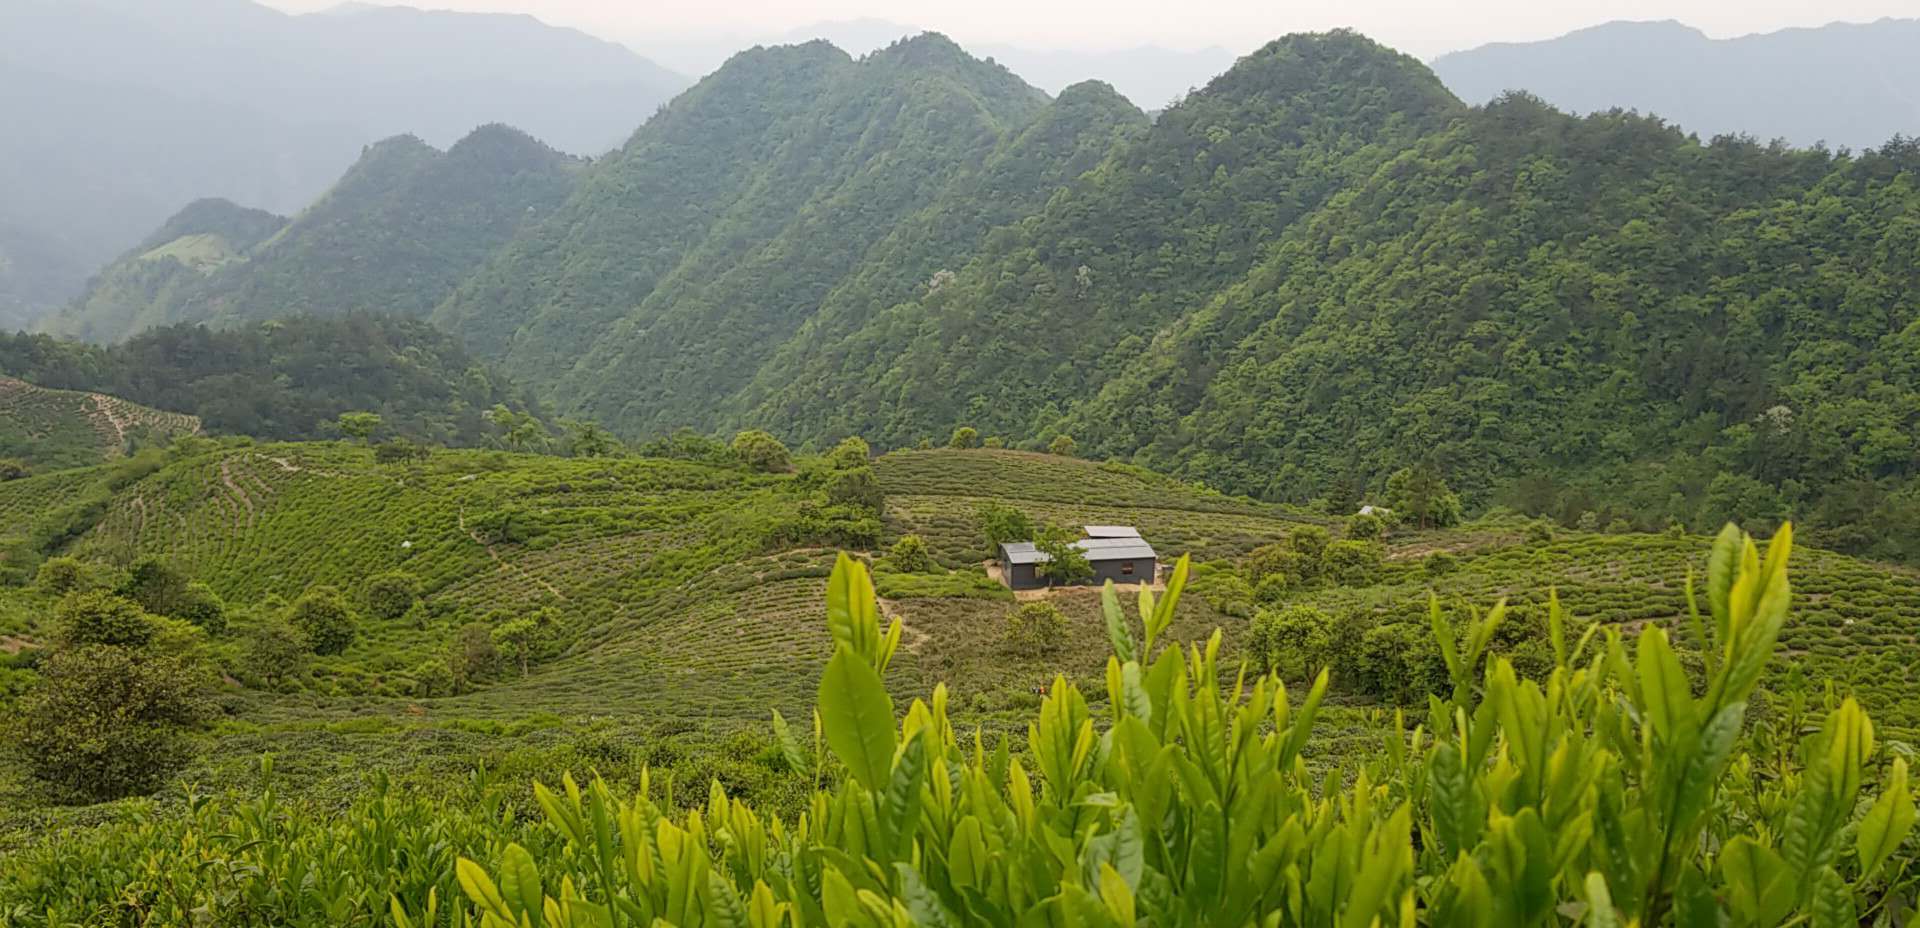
(857, 714)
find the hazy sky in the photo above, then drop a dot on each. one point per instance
(1421, 27)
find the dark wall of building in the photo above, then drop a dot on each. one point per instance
(1116, 570)
(1023, 576)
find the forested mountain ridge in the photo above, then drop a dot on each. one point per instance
(1852, 85)
(729, 265)
(396, 234)
(1317, 270)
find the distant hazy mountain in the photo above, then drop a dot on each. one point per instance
(1150, 76)
(395, 235)
(119, 112)
(1847, 84)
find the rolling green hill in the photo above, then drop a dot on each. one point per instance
(289, 378)
(54, 429)
(680, 601)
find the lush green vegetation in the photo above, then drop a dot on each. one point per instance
(43, 430)
(1345, 274)
(288, 379)
(1613, 787)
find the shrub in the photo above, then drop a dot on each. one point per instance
(993, 441)
(432, 677)
(275, 653)
(471, 654)
(1295, 642)
(399, 451)
(1035, 629)
(1419, 493)
(1062, 445)
(106, 722)
(909, 555)
(59, 576)
(1399, 662)
(1002, 524)
(856, 488)
(389, 595)
(1540, 532)
(965, 436)
(1310, 541)
(758, 449)
(201, 606)
(1353, 563)
(157, 586)
(1366, 526)
(852, 451)
(13, 469)
(100, 618)
(1440, 563)
(1066, 563)
(322, 616)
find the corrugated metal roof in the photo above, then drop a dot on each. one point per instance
(1112, 531)
(1023, 552)
(1115, 549)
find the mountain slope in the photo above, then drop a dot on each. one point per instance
(1845, 84)
(723, 225)
(118, 112)
(54, 429)
(396, 234)
(1057, 303)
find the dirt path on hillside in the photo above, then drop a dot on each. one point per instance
(103, 409)
(497, 559)
(226, 477)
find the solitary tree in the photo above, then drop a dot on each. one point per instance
(389, 595)
(359, 426)
(965, 436)
(758, 449)
(1002, 523)
(1420, 493)
(275, 652)
(588, 439)
(99, 618)
(321, 614)
(159, 587)
(1035, 629)
(1061, 445)
(1065, 563)
(909, 555)
(852, 451)
(107, 721)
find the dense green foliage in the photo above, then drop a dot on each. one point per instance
(1345, 273)
(44, 429)
(1616, 788)
(288, 379)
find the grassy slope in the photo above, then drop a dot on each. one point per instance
(52, 429)
(685, 618)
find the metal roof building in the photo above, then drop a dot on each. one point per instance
(1116, 552)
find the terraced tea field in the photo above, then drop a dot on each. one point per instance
(687, 616)
(52, 429)
(935, 494)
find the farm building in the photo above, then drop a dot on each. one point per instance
(1116, 552)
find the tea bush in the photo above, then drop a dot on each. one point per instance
(1615, 789)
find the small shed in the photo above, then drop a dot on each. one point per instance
(1115, 552)
(1019, 563)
